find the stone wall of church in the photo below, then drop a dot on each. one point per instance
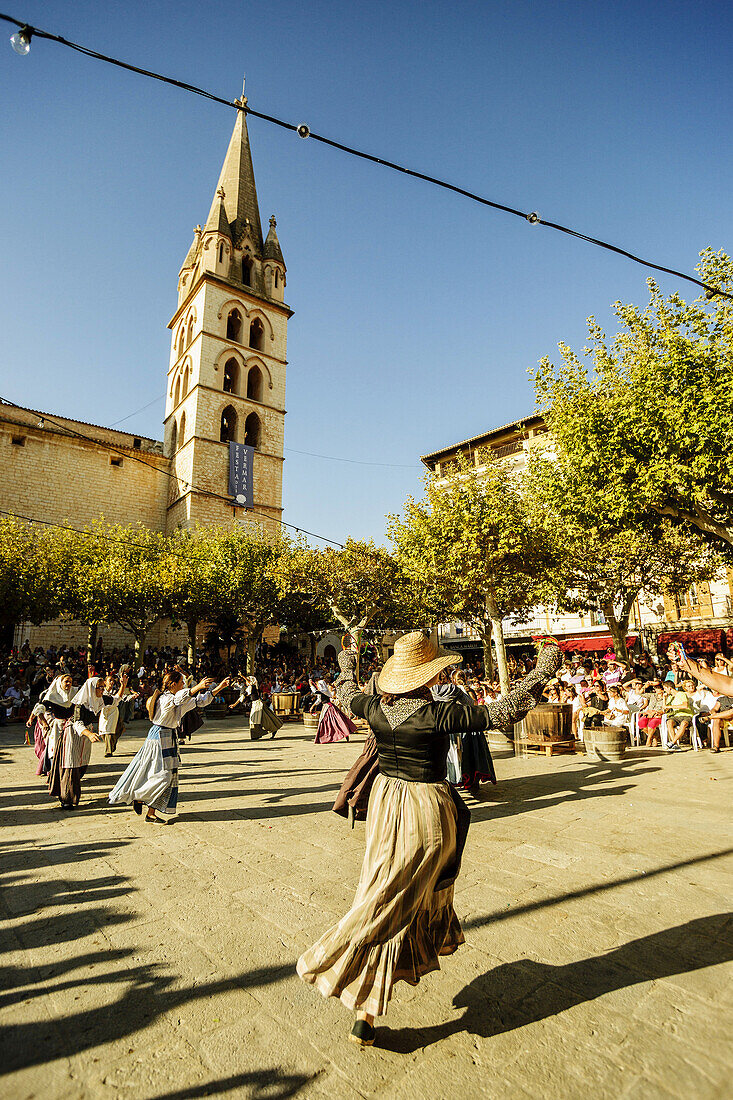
(48, 475)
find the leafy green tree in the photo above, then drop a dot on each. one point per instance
(601, 563)
(245, 581)
(652, 421)
(191, 580)
(126, 570)
(31, 574)
(361, 585)
(473, 552)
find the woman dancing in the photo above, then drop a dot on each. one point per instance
(73, 749)
(402, 918)
(50, 713)
(151, 778)
(333, 725)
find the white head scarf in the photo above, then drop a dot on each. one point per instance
(87, 696)
(54, 693)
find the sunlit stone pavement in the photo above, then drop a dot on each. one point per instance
(159, 962)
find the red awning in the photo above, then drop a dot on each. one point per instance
(591, 643)
(694, 639)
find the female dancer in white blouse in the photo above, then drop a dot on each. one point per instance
(152, 777)
(73, 748)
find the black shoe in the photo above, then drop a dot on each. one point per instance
(363, 1034)
(137, 806)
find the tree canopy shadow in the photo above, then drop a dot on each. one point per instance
(542, 790)
(524, 992)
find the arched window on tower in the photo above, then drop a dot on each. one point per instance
(174, 437)
(277, 276)
(254, 384)
(181, 340)
(184, 384)
(189, 331)
(231, 376)
(247, 271)
(228, 425)
(221, 253)
(234, 326)
(182, 431)
(256, 334)
(252, 430)
(177, 393)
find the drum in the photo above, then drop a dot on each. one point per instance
(285, 703)
(547, 722)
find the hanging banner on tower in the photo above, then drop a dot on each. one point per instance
(241, 462)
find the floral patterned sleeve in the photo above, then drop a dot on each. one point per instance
(345, 684)
(503, 713)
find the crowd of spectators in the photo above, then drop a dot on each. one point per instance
(652, 698)
(656, 702)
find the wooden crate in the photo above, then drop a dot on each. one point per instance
(546, 748)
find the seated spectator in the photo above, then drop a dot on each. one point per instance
(652, 712)
(618, 708)
(720, 714)
(680, 710)
(595, 706)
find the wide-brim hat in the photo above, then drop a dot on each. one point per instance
(415, 661)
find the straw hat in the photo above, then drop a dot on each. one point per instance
(415, 661)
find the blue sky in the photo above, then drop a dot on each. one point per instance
(417, 313)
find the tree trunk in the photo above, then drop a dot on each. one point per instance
(618, 627)
(252, 641)
(139, 648)
(91, 642)
(191, 625)
(488, 655)
(313, 644)
(498, 632)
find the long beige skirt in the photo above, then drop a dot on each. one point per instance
(399, 924)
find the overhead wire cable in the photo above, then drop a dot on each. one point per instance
(304, 131)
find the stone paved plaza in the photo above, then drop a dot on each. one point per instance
(159, 962)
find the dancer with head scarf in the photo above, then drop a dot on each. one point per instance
(333, 725)
(50, 713)
(73, 748)
(151, 779)
(402, 918)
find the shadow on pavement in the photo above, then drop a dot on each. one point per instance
(546, 789)
(265, 1084)
(519, 993)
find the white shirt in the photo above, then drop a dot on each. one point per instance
(324, 689)
(170, 708)
(704, 700)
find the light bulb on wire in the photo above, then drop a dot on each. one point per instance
(21, 40)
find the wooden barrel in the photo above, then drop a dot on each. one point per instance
(310, 721)
(285, 703)
(499, 740)
(606, 742)
(546, 722)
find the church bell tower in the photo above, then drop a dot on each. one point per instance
(226, 378)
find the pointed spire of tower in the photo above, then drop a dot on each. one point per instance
(237, 180)
(193, 250)
(272, 250)
(217, 221)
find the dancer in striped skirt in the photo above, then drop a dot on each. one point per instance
(151, 779)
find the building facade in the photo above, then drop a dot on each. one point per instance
(702, 618)
(225, 382)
